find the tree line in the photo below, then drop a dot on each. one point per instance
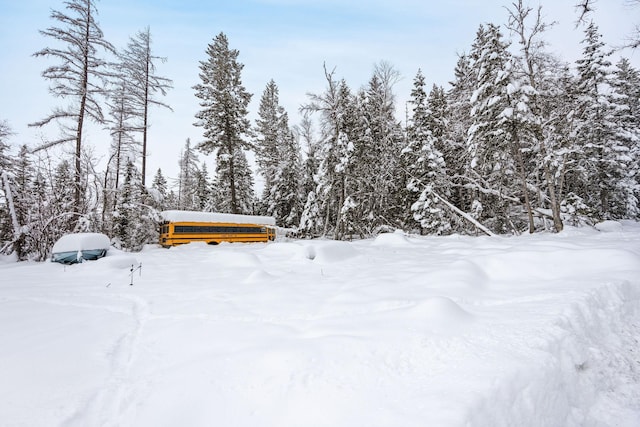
(519, 141)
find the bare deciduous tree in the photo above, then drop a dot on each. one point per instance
(585, 7)
(139, 66)
(78, 77)
(532, 60)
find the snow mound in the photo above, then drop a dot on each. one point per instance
(191, 246)
(461, 273)
(330, 252)
(284, 250)
(232, 258)
(119, 261)
(608, 226)
(439, 313)
(395, 239)
(258, 276)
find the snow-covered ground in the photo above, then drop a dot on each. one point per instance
(538, 330)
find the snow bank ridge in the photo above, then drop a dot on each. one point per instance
(575, 379)
(555, 264)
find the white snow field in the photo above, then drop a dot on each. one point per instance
(400, 330)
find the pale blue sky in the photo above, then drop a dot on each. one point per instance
(284, 40)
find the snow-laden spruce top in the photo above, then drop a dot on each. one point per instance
(194, 216)
(81, 242)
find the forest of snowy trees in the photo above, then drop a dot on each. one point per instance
(518, 141)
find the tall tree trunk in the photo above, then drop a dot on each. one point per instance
(339, 232)
(553, 198)
(145, 118)
(517, 152)
(517, 20)
(84, 85)
(232, 183)
(18, 234)
(78, 154)
(78, 164)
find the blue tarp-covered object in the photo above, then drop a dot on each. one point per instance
(77, 247)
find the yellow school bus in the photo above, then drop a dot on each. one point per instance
(179, 227)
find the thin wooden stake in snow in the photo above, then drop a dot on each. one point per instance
(133, 270)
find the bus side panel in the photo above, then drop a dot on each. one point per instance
(190, 232)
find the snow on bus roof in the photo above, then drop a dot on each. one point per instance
(194, 216)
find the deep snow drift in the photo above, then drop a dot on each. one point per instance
(538, 330)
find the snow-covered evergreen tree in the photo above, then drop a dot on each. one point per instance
(378, 142)
(44, 231)
(305, 135)
(171, 202)
(625, 102)
(20, 189)
(425, 163)
(556, 153)
(6, 226)
(311, 217)
(63, 188)
(5, 133)
(188, 178)
(223, 116)
(124, 215)
(492, 170)
(286, 192)
(202, 196)
(324, 206)
(455, 153)
(350, 191)
(63, 198)
(42, 200)
(598, 167)
(278, 159)
(268, 137)
(310, 167)
(439, 118)
(135, 220)
(159, 191)
(244, 197)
